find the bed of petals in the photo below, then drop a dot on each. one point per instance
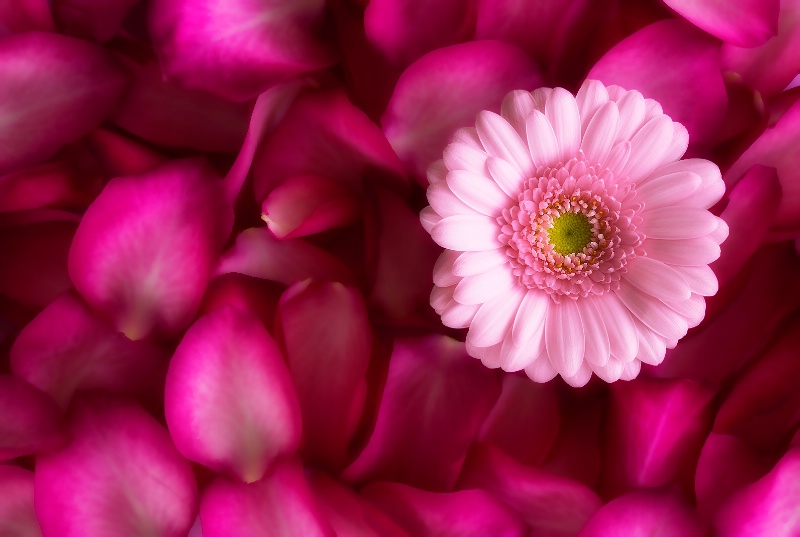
(215, 286)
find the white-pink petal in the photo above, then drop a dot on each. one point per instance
(597, 345)
(561, 111)
(542, 141)
(563, 334)
(486, 286)
(600, 133)
(493, 320)
(501, 140)
(653, 313)
(667, 189)
(472, 263)
(621, 330)
(478, 191)
(508, 177)
(467, 233)
(701, 279)
(656, 279)
(691, 252)
(648, 148)
(677, 222)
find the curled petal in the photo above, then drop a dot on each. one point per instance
(644, 513)
(749, 24)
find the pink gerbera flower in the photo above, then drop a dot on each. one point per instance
(576, 239)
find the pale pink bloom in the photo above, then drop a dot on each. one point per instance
(576, 240)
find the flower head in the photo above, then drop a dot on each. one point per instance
(576, 239)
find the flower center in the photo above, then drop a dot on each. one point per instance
(570, 234)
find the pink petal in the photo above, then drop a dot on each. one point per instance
(67, 349)
(500, 140)
(164, 113)
(145, 248)
(551, 505)
(444, 90)
(576, 454)
(657, 429)
(30, 421)
(749, 24)
(228, 399)
(91, 19)
(648, 148)
(467, 233)
(432, 407)
(328, 364)
(39, 117)
(306, 205)
(404, 31)
(323, 134)
(472, 263)
(561, 111)
(677, 222)
(494, 319)
(52, 184)
(542, 140)
(689, 252)
(676, 65)
(96, 485)
(495, 283)
(564, 337)
(236, 49)
(644, 513)
(17, 517)
(279, 504)
(259, 254)
(768, 506)
(622, 337)
(522, 401)
(653, 313)
(464, 513)
(711, 188)
(479, 192)
(444, 201)
(600, 133)
(597, 341)
(656, 279)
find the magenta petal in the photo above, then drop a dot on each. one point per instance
(237, 48)
(464, 513)
(433, 404)
(164, 113)
(768, 506)
(98, 20)
(749, 23)
(121, 475)
(66, 349)
(328, 364)
(444, 90)
(39, 117)
(535, 405)
(552, 506)
(657, 429)
(306, 205)
(30, 421)
(17, 517)
(405, 30)
(18, 16)
(259, 254)
(676, 65)
(228, 399)
(323, 134)
(281, 504)
(145, 248)
(644, 513)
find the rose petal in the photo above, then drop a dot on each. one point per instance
(17, 516)
(25, 16)
(644, 513)
(30, 421)
(97, 20)
(750, 24)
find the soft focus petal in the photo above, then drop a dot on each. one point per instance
(145, 248)
(17, 517)
(30, 421)
(39, 116)
(25, 16)
(676, 65)
(433, 404)
(237, 49)
(444, 90)
(98, 20)
(643, 514)
(228, 398)
(120, 475)
(747, 24)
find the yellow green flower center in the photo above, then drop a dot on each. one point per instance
(570, 233)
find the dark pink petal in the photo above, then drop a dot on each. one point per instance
(762, 405)
(463, 513)
(145, 248)
(403, 31)
(747, 24)
(405, 256)
(308, 204)
(39, 116)
(433, 404)
(228, 399)
(49, 185)
(120, 155)
(328, 364)
(161, 112)
(30, 421)
(18, 16)
(751, 206)
(121, 475)
(237, 49)
(33, 269)
(535, 405)
(552, 506)
(323, 134)
(726, 465)
(644, 514)
(655, 432)
(769, 68)
(67, 349)
(280, 504)
(678, 66)
(577, 451)
(775, 147)
(444, 90)
(17, 517)
(97, 20)
(767, 507)
(349, 514)
(259, 254)
(253, 295)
